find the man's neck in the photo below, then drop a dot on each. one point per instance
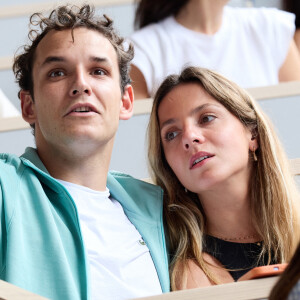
(86, 168)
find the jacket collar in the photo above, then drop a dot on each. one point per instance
(130, 192)
(32, 159)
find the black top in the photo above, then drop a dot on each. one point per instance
(239, 257)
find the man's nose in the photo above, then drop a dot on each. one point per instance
(80, 84)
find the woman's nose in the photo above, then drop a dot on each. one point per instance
(192, 137)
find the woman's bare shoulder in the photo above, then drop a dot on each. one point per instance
(196, 277)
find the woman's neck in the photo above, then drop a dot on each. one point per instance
(228, 213)
(203, 16)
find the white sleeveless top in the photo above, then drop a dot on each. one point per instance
(249, 48)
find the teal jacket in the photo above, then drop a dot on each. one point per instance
(41, 245)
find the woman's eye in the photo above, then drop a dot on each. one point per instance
(98, 72)
(171, 135)
(207, 119)
(57, 73)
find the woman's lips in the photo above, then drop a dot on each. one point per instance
(199, 158)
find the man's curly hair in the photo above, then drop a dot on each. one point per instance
(69, 17)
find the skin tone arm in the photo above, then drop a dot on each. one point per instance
(290, 70)
(297, 39)
(138, 83)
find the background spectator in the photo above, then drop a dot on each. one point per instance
(251, 46)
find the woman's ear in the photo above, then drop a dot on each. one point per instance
(126, 110)
(28, 108)
(254, 139)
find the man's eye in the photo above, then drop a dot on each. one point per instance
(99, 72)
(171, 135)
(57, 73)
(207, 119)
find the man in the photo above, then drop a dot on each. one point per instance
(69, 229)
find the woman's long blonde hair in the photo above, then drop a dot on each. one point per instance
(274, 196)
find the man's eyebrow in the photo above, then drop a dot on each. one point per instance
(191, 113)
(100, 59)
(50, 59)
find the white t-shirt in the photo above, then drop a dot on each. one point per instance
(249, 48)
(120, 263)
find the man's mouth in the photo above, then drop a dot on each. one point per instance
(83, 109)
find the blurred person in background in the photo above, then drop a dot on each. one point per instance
(251, 46)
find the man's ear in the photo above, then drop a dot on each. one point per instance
(28, 108)
(126, 110)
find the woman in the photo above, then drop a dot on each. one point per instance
(230, 201)
(251, 46)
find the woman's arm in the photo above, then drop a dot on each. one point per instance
(138, 83)
(290, 70)
(297, 39)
